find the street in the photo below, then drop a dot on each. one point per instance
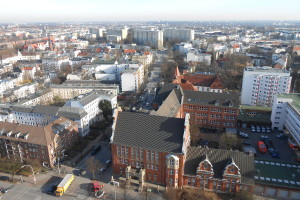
(80, 188)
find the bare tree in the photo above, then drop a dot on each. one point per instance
(93, 165)
(125, 187)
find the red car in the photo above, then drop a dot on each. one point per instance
(261, 147)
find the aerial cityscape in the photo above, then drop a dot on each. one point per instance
(158, 100)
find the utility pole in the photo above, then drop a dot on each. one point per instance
(58, 166)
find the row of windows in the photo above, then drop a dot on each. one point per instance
(137, 153)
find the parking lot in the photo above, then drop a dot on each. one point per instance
(281, 145)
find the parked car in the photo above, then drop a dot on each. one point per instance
(244, 135)
(3, 190)
(258, 129)
(102, 170)
(95, 150)
(282, 136)
(4, 178)
(268, 143)
(261, 147)
(108, 163)
(264, 137)
(271, 149)
(246, 143)
(275, 154)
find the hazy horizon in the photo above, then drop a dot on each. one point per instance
(31, 11)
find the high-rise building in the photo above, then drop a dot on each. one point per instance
(99, 32)
(152, 38)
(182, 35)
(261, 84)
(118, 32)
(286, 115)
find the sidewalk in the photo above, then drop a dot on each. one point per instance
(85, 151)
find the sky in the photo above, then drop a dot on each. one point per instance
(20, 11)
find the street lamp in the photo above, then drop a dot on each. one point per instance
(34, 179)
(112, 181)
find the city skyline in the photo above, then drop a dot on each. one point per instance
(133, 10)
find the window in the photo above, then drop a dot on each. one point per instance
(171, 162)
(148, 155)
(171, 171)
(141, 154)
(157, 157)
(122, 151)
(126, 151)
(132, 153)
(171, 181)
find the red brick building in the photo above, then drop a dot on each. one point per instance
(157, 149)
(211, 110)
(45, 144)
(206, 82)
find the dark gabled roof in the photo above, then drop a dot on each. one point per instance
(163, 134)
(171, 105)
(25, 109)
(220, 158)
(71, 112)
(51, 110)
(211, 98)
(164, 92)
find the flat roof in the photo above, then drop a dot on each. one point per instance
(295, 97)
(277, 173)
(248, 107)
(265, 69)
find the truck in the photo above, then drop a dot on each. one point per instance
(64, 185)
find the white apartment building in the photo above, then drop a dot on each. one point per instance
(7, 84)
(118, 32)
(195, 56)
(152, 38)
(262, 84)
(113, 72)
(25, 90)
(286, 114)
(183, 47)
(70, 89)
(132, 79)
(39, 115)
(182, 35)
(145, 58)
(99, 32)
(114, 38)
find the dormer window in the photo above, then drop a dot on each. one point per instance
(217, 103)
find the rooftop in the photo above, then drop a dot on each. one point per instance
(266, 69)
(261, 108)
(164, 134)
(219, 159)
(277, 173)
(211, 98)
(295, 97)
